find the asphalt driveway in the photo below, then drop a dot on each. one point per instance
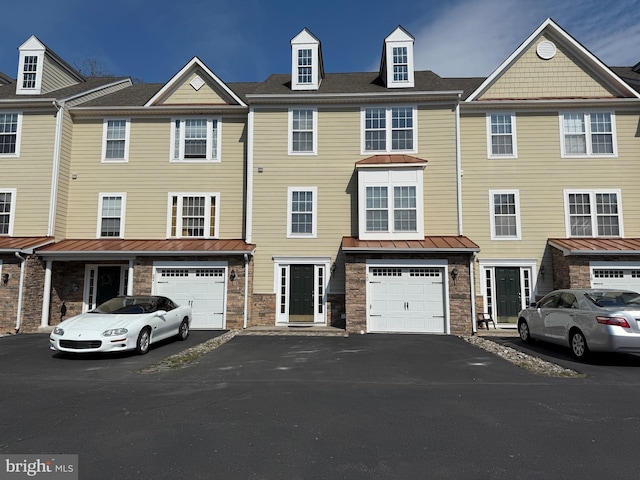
(362, 407)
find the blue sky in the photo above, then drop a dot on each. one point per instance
(246, 40)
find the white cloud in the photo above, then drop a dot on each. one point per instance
(473, 37)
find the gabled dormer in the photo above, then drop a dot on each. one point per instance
(307, 70)
(396, 66)
(41, 71)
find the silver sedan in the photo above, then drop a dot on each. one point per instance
(586, 320)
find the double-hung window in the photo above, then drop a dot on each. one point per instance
(505, 214)
(29, 72)
(588, 134)
(193, 215)
(400, 64)
(7, 211)
(303, 138)
(388, 129)
(593, 213)
(501, 135)
(115, 140)
(111, 215)
(305, 66)
(302, 215)
(10, 127)
(195, 139)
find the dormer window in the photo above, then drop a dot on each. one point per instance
(30, 67)
(396, 67)
(29, 70)
(306, 62)
(305, 70)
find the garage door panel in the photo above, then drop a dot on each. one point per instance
(201, 288)
(406, 300)
(621, 278)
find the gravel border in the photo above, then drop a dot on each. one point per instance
(528, 362)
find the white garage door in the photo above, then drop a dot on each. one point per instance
(406, 299)
(201, 287)
(623, 278)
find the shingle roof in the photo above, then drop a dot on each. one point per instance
(8, 92)
(133, 96)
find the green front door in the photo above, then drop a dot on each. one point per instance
(508, 294)
(301, 293)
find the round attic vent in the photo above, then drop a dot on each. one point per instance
(546, 50)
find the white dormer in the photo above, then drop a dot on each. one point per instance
(306, 62)
(396, 67)
(30, 67)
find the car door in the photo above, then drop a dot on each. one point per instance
(559, 319)
(537, 325)
(167, 322)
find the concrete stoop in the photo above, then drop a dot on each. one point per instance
(296, 330)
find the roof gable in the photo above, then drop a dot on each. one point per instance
(550, 64)
(195, 84)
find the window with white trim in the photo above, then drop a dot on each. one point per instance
(302, 212)
(7, 211)
(29, 72)
(400, 64)
(588, 134)
(115, 139)
(10, 129)
(388, 129)
(305, 66)
(593, 213)
(196, 139)
(391, 204)
(303, 131)
(111, 215)
(501, 135)
(505, 214)
(193, 215)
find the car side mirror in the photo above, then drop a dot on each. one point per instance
(161, 313)
(533, 304)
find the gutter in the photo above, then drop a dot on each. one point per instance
(458, 168)
(246, 291)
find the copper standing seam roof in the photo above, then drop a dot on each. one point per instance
(15, 244)
(429, 244)
(391, 160)
(596, 246)
(149, 247)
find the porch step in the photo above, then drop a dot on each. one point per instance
(296, 330)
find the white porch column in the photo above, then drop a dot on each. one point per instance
(46, 296)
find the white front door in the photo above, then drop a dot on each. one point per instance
(406, 299)
(201, 287)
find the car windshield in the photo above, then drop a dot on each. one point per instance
(128, 305)
(614, 299)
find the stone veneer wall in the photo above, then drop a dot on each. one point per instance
(263, 310)
(573, 271)
(459, 291)
(9, 293)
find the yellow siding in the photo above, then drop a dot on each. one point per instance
(185, 94)
(541, 176)
(333, 172)
(55, 78)
(30, 174)
(64, 177)
(563, 76)
(148, 176)
(97, 94)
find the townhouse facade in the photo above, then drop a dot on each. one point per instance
(389, 201)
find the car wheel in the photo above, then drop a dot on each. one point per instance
(144, 340)
(523, 330)
(183, 332)
(578, 345)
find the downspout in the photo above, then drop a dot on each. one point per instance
(458, 167)
(246, 289)
(472, 275)
(55, 168)
(249, 215)
(20, 291)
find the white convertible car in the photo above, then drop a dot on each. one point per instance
(122, 323)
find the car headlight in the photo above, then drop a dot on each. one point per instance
(58, 331)
(114, 332)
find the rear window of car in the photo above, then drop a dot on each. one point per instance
(614, 299)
